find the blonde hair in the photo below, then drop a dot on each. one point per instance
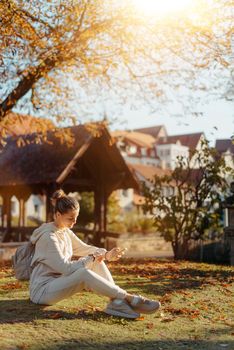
(63, 203)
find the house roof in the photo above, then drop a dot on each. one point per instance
(90, 158)
(138, 138)
(224, 145)
(152, 130)
(189, 140)
(148, 171)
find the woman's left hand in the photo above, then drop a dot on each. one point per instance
(100, 254)
(115, 254)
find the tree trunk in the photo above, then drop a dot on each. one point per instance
(29, 79)
(180, 248)
(31, 75)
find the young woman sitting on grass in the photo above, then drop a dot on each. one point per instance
(55, 277)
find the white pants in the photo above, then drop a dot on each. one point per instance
(96, 278)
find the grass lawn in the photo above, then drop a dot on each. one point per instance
(197, 310)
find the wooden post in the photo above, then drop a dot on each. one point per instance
(6, 215)
(97, 216)
(23, 201)
(21, 220)
(3, 210)
(22, 197)
(8, 210)
(105, 213)
(49, 209)
(100, 210)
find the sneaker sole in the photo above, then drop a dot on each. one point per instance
(120, 314)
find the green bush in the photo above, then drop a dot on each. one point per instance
(147, 225)
(136, 222)
(117, 226)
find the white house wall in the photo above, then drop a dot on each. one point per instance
(168, 154)
(142, 160)
(34, 207)
(125, 198)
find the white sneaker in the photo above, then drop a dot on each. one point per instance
(121, 308)
(144, 305)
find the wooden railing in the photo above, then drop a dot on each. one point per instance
(21, 234)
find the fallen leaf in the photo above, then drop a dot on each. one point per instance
(55, 316)
(13, 285)
(167, 319)
(141, 318)
(150, 325)
(166, 298)
(152, 277)
(225, 285)
(185, 293)
(183, 311)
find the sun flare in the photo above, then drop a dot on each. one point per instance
(161, 7)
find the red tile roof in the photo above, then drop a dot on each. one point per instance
(138, 138)
(152, 130)
(148, 171)
(189, 140)
(224, 145)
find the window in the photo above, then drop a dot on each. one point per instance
(132, 149)
(171, 191)
(125, 193)
(36, 208)
(167, 152)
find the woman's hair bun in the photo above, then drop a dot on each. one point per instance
(57, 195)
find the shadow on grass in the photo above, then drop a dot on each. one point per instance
(186, 344)
(24, 311)
(164, 280)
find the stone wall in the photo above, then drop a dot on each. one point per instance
(139, 245)
(8, 249)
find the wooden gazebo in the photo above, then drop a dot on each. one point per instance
(92, 163)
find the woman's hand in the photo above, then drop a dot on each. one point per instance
(99, 255)
(115, 254)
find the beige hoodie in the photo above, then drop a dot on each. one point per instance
(53, 251)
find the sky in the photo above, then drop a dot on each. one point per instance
(217, 121)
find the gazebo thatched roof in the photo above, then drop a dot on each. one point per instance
(89, 160)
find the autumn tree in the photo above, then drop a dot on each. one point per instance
(194, 207)
(62, 55)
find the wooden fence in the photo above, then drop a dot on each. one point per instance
(21, 234)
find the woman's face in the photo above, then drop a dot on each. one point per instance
(66, 220)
